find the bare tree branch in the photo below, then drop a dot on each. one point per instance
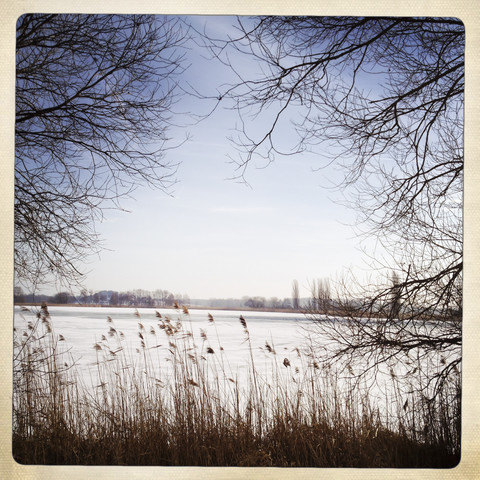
(383, 98)
(94, 100)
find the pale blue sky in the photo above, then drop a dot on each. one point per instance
(216, 237)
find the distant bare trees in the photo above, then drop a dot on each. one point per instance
(94, 96)
(255, 302)
(295, 295)
(320, 295)
(396, 296)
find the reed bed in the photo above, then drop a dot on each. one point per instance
(190, 409)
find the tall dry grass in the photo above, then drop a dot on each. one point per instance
(195, 411)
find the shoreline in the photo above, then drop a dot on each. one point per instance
(173, 308)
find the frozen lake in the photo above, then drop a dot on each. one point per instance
(82, 328)
(275, 343)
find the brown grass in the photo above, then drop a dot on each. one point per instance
(195, 412)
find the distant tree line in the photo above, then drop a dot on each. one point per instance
(262, 302)
(138, 298)
(157, 299)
